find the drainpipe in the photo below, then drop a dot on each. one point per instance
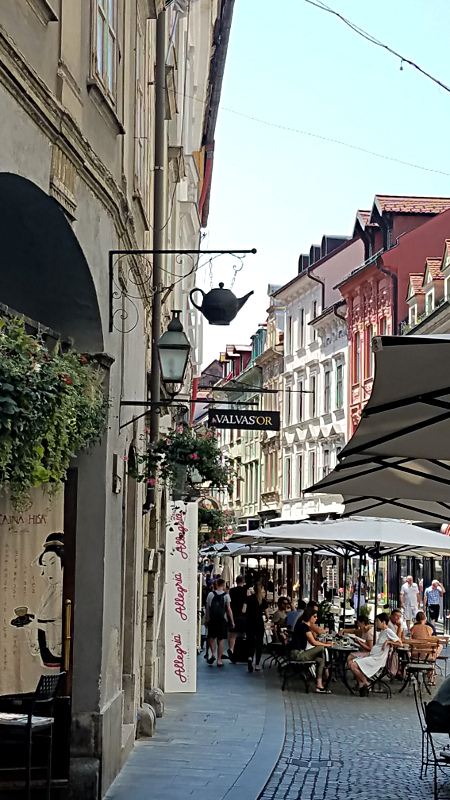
(335, 307)
(159, 209)
(317, 280)
(394, 279)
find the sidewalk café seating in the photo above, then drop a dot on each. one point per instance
(305, 670)
(22, 729)
(435, 726)
(422, 661)
(277, 652)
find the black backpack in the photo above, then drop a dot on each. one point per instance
(217, 610)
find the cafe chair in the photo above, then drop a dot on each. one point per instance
(22, 729)
(437, 726)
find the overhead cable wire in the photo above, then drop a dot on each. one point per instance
(373, 40)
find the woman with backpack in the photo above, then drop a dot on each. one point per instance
(254, 624)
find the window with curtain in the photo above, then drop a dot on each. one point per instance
(300, 387)
(339, 386)
(287, 477)
(106, 45)
(299, 474)
(301, 328)
(312, 468)
(327, 391)
(369, 355)
(326, 461)
(313, 395)
(357, 358)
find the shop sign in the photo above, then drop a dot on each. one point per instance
(31, 575)
(244, 420)
(181, 598)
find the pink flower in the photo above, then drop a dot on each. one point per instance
(209, 435)
(151, 481)
(179, 429)
(169, 441)
(125, 458)
(147, 430)
(84, 359)
(194, 456)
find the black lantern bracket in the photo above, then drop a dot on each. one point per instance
(134, 282)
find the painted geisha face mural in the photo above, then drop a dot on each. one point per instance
(31, 609)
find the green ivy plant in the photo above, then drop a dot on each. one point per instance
(51, 407)
(198, 452)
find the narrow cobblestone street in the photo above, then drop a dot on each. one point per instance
(241, 738)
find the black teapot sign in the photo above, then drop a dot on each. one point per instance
(219, 306)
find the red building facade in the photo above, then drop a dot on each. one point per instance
(399, 233)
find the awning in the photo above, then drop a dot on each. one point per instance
(396, 464)
(353, 536)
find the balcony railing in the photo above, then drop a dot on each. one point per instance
(407, 326)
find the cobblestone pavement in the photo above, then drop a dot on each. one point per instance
(339, 746)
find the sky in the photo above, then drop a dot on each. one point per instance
(293, 65)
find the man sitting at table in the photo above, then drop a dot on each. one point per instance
(293, 616)
(395, 623)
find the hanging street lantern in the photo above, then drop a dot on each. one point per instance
(173, 352)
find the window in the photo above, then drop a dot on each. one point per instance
(369, 354)
(141, 132)
(326, 462)
(301, 328)
(447, 288)
(288, 405)
(314, 315)
(287, 477)
(289, 336)
(357, 358)
(312, 468)
(238, 481)
(299, 474)
(339, 386)
(383, 326)
(313, 385)
(327, 392)
(429, 302)
(106, 48)
(300, 386)
(412, 316)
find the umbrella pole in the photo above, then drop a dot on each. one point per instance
(311, 585)
(377, 564)
(358, 602)
(345, 586)
(301, 576)
(275, 576)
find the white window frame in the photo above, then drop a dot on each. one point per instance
(301, 328)
(300, 473)
(287, 474)
(340, 383)
(105, 67)
(141, 137)
(446, 288)
(327, 391)
(313, 410)
(312, 467)
(412, 314)
(326, 462)
(429, 306)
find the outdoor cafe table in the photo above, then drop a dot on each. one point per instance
(338, 662)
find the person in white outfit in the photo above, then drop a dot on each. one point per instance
(366, 667)
(410, 600)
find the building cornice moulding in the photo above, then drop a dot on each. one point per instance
(52, 119)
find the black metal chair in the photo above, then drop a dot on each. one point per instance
(21, 729)
(437, 724)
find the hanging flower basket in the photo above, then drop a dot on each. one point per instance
(218, 524)
(198, 453)
(51, 407)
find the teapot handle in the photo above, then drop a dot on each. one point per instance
(199, 308)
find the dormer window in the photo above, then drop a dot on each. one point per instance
(429, 301)
(413, 315)
(447, 288)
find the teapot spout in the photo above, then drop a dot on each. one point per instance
(242, 300)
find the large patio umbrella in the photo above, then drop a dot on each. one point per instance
(396, 463)
(353, 536)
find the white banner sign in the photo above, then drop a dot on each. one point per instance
(181, 598)
(31, 574)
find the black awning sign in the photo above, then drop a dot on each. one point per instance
(245, 420)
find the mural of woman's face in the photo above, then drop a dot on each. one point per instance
(51, 568)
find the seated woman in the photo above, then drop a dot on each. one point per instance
(426, 645)
(305, 647)
(364, 630)
(364, 667)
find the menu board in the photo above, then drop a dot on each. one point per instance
(31, 593)
(181, 598)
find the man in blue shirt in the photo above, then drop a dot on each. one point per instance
(431, 598)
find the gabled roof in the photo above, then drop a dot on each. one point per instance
(432, 271)
(414, 286)
(409, 205)
(363, 220)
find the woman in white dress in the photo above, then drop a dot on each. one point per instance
(368, 666)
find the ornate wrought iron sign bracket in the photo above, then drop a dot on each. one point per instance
(138, 277)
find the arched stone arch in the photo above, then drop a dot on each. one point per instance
(43, 271)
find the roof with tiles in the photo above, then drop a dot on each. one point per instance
(433, 266)
(415, 282)
(411, 205)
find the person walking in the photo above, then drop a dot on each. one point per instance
(410, 600)
(238, 597)
(254, 618)
(218, 609)
(432, 598)
(359, 595)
